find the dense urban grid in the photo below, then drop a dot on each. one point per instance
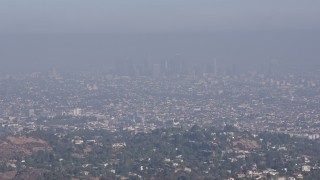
(163, 126)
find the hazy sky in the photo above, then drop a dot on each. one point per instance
(157, 15)
(37, 34)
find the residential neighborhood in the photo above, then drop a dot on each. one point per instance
(247, 126)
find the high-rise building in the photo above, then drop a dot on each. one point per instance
(215, 71)
(32, 113)
(156, 70)
(77, 112)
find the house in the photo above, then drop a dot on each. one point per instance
(188, 170)
(77, 140)
(306, 168)
(118, 145)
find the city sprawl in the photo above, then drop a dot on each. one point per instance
(241, 126)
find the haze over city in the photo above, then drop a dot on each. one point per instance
(161, 90)
(78, 35)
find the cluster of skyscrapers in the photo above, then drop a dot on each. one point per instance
(172, 67)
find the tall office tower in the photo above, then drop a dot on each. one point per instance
(163, 67)
(170, 66)
(183, 67)
(166, 65)
(128, 67)
(215, 72)
(208, 67)
(177, 65)
(118, 66)
(145, 69)
(270, 68)
(54, 73)
(156, 70)
(234, 70)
